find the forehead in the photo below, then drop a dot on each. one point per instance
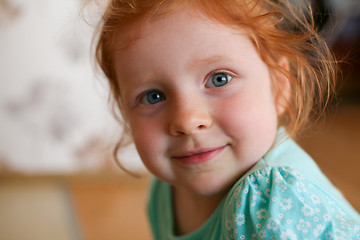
(184, 34)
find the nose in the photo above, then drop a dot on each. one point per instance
(189, 118)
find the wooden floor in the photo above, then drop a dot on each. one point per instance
(88, 207)
(112, 206)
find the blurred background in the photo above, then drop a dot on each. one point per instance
(58, 179)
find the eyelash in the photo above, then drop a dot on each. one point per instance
(157, 96)
(217, 74)
(154, 96)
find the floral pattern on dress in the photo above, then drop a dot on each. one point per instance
(279, 203)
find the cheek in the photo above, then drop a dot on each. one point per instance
(247, 110)
(152, 144)
(251, 121)
(149, 142)
(145, 136)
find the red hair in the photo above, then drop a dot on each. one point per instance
(277, 28)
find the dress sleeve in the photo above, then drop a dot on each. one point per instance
(279, 203)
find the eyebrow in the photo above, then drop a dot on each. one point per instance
(206, 61)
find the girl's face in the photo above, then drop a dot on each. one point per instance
(198, 100)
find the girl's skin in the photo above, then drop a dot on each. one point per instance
(200, 107)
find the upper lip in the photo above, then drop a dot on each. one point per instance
(196, 152)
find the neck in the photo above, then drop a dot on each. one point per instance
(191, 211)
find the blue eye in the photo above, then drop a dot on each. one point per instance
(218, 80)
(152, 97)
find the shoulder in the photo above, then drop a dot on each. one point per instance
(279, 202)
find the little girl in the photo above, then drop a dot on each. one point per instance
(212, 92)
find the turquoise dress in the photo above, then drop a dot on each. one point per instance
(283, 196)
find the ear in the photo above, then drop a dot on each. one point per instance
(283, 87)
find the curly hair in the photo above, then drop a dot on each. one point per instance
(277, 28)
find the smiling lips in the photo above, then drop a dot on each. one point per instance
(200, 156)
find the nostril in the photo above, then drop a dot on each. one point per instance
(188, 120)
(180, 128)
